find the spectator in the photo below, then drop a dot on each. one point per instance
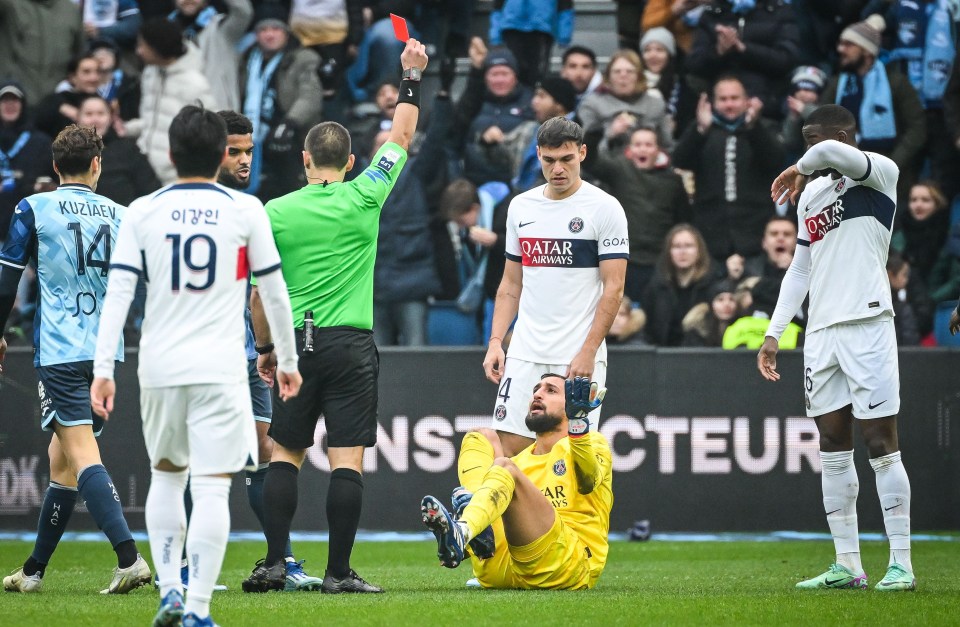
(684, 275)
(733, 155)
(59, 109)
(890, 117)
(528, 28)
(118, 87)
(945, 275)
(705, 323)
(125, 173)
(750, 329)
(676, 16)
(333, 29)
(579, 66)
(659, 51)
(627, 327)
(115, 20)
(371, 120)
(806, 85)
(217, 36)
(492, 104)
(24, 152)
(405, 274)
(625, 101)
(923, 229)
(924, 50)
(516, 154)
(652, 195)
(171, 80)
(754, 40)
(779, 244)
(37, 42)
(905, 319)
(281, 96)
(379, 50)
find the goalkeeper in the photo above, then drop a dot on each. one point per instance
(538, 520)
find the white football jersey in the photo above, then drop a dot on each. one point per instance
(847, 224)
(560, 244)
(195, 244)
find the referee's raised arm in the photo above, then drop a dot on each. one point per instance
(414, 62)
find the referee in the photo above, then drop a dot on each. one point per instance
(326, 233)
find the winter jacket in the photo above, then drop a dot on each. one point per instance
(299, 97)
(908, 115)
(38, 38)
(599, 108)
(164, 91)
(405, 269)
(666, 304)
(654, 200)
(31, 161)
(732, 201)
(772, 49)
(921, 242)
(701, 328)
(554, 17)
(218, 41)
(47, 115)
(126, 173)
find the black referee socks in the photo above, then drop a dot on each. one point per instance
(344, 502)
(279, 506)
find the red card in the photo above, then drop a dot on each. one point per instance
(400, 27)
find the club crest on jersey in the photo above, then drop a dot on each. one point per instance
(822, 223)
(576, 225)
(500, 412)
(840, 185)
(560, 468)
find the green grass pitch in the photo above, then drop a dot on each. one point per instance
(674, 583)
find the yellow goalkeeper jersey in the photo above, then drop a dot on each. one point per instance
(587, 515)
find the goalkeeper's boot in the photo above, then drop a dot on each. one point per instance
(265, 578)
(18, 582)
(192, 620)
(449, 533)
(129, 578)
(297, 579)
(484, 545)
(171, 610)
(836, 577)
(897, 578)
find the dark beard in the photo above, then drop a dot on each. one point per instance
(543, 423)
(228, 180)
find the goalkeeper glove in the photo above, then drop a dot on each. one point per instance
(582, 398)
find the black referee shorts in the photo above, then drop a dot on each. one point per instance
(339, 383)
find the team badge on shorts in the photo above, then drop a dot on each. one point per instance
(500, 412)
(576, 225)
(560, 468)
(806, 398)
(44, 401)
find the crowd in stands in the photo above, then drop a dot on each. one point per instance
(686, 125)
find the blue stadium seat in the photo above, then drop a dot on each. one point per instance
(448, 326)
(941, 324)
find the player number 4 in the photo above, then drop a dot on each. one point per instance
(504, 391)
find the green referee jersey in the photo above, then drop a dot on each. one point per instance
(327, 238)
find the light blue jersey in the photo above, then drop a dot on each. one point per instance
(68, 233)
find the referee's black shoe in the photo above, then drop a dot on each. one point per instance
(351, 583)
(266, 578)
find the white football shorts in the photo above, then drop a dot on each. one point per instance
(207, 427)
(852, 363)
(516, 392)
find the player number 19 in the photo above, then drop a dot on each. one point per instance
(209, 268)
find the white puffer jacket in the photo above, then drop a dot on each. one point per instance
(164, 91)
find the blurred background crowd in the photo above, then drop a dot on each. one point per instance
(690, 111)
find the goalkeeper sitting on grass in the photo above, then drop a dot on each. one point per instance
(538, 520)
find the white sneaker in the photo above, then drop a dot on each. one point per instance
(18, 582)
(473, 582)
(129, 578)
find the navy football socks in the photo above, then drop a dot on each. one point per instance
(58, 504)
(103, 502)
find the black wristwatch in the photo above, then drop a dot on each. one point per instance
(266, 349)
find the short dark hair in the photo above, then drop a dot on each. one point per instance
(557, 131)
(329, 145)
(457, 198)
(832, 117)
(96, 97)
(728, 78)
(74, 149)
(198, 139)
(587, 52)
(164, 36)
(237, 123)
(896, 262)
(75, 62)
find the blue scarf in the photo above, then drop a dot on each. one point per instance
(259, 104)
(192, 31)
(925, 42)
(876, 119)
(6, 158)
(742, 7)
(727, 123)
